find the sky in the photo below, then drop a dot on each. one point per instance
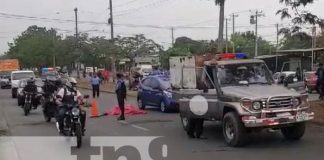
(200, 15)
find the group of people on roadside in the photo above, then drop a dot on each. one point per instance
(120, 91)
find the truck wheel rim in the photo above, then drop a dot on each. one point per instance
(229, 130)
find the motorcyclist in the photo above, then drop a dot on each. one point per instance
(68, 94)
(31, 88)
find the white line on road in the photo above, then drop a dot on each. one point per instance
(135, 126)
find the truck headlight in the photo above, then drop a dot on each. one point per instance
(257, 106)
(246, 103)
(296, 102)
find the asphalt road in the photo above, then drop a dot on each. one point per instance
(265, 145)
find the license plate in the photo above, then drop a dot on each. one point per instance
(302, 116)
(284, 114)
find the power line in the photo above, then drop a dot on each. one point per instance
(124, 4)
(129, 11)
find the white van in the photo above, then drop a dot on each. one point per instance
(16, 76)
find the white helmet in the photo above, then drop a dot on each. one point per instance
(73, 81)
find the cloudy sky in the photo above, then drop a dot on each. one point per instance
(200, 15)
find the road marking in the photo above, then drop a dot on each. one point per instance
(135, 126)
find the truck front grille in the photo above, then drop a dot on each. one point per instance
(280, 102)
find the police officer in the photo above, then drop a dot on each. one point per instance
(121, 95)
(31, 88)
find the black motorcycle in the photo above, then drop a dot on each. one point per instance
(28, 102)
(49, 107)
(72, 123)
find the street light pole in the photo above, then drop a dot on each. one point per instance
(77, 38)
(111, 22)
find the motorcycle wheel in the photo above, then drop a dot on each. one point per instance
(27, 109)
(78, 134)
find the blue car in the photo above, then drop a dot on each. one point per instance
(156, 91)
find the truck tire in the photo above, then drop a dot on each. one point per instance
(294, 132)
(234, 131)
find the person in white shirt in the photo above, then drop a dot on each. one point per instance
(68, 94)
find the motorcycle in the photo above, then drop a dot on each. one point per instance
(49, 107)
(28, 103)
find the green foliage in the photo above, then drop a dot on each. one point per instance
(245, 43)
(300, 40)
(37, 46)
(295, 10)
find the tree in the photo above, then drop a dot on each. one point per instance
(138, 45)
(244, 42)
(300, 40)
(294, 10)
(221, 4)
(34, 47)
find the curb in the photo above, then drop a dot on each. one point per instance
(105, 91)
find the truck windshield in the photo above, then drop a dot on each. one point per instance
(252, 73)
(22, 75)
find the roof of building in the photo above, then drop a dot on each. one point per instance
(300, 50)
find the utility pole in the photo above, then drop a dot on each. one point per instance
(226, 34)
(254, 20)
(111, 22)
(77, 39)
(233, 19)
(172, 35)
(313, 45)
(277, 47)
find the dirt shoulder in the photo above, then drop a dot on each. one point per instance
(318, 108)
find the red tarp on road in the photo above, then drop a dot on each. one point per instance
(129, 110)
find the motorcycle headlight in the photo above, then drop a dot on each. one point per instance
(257, 106)
(75, 111)
(168, 94)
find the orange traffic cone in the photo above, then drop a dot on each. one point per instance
(94, 109)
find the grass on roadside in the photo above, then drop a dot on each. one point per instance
(318, 108)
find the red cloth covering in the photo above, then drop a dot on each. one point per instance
(129, 110)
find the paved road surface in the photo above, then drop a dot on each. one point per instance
(265, 146)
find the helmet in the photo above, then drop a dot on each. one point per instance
(31, 81)
(73, 81)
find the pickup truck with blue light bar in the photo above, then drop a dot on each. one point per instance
(238, 92)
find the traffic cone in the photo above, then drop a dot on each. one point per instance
(94, 109)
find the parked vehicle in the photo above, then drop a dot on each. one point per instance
(15, 77)
(310, 81)
(239, 93)
(156, 91)
(281, 77)
(5, 81)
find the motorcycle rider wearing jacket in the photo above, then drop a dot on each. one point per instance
(31, 88)
(68, 94)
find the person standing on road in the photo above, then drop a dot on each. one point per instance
(121, 95)
(95, 83)
(320, 80)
